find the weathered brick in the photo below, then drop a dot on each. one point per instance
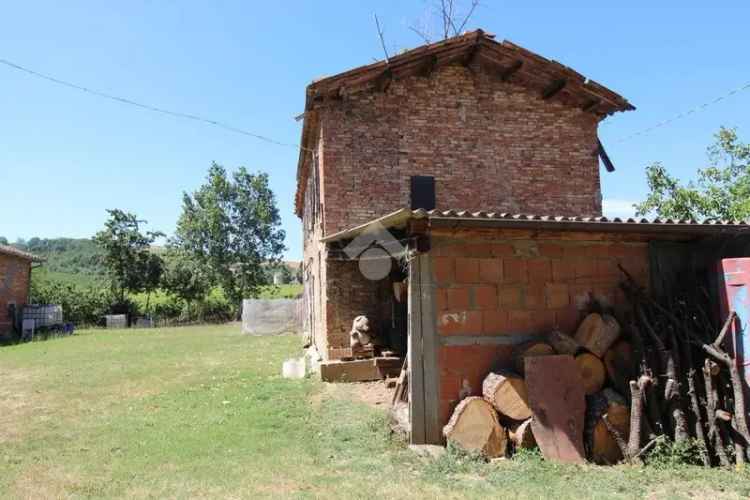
(489, 270)
(467, 270)
(443, 269)
(510, 297)
(485, 297)
(495, 321)
(540, 271)
(514, 270)
(557, 295)
(458, 298)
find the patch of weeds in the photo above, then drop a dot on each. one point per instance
(668, 454)
(453, 462)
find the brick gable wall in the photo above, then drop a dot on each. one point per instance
(490, 145)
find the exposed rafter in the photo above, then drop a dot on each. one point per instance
(553, 88)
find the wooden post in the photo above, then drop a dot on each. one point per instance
(415, 353)
(431, 377)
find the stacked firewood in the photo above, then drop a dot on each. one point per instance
(660, 373)
(503, 415)
(688, 386)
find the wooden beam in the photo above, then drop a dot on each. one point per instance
(431, 380)
(605, 157)
(506, 73)
(384, 80)
(591, 104)
(428, 66)
(415, 355)
(553, 88)
(471, 55)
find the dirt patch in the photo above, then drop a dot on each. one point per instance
(375, 394)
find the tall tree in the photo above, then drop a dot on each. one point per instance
(721, 190)
(232, 226)
(185, 277)
(130, 264)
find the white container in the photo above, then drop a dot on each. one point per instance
(293, 368)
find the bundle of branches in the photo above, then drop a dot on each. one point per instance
(689, 385)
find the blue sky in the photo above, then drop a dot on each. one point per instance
(66, 156)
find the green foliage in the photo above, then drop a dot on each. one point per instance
(184, 276)
(721, 191)
(130, 264)
(81, 305)
(667, 454)
(72, 256)
(231, 226)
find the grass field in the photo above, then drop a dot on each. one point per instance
(201, 412)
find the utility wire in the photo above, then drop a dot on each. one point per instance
(148, 107)
(269, 140)
(686, 113)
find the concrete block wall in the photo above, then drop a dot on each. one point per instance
(514, 287)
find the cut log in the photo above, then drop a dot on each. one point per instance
(522, 436)
(620, 363)
(507, 393)
(602, 445)
(558, 403)
(597, 332)
(474, 428)
(592, 371)
(529, 349)
(563, 343)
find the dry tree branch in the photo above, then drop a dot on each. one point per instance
(380, 34)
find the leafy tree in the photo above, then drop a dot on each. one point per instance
(721, 191)
(185, 277)
(3, 240)
(130, 264)
(232, 227)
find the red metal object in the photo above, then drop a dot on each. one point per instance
(734, 294)
(558, 403)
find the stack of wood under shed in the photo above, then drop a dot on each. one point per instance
(502, 419)
(613, 389)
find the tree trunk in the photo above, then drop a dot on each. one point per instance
(507, 393)
(597, 332)
(636, 417)
(474, 428)
(522, 436)
(562, 343)
(601, 442)
(711, 405)
(528, 349)
(592, 371)
(620, 363)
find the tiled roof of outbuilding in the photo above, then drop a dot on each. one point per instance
(14, 252)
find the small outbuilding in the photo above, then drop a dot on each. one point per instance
(480, 283)
(15, 280)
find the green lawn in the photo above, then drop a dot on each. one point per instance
(201, 412)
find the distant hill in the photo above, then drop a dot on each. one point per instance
(68, 260)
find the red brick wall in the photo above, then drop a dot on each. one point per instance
(14, 286)
(513, 286)
(490, 145)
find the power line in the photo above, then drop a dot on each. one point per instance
(148, 107)
(686, 113)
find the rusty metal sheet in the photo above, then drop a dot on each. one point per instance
(558, 404)
(734, 295)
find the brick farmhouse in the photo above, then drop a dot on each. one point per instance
(15, 279)
(440, 156)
